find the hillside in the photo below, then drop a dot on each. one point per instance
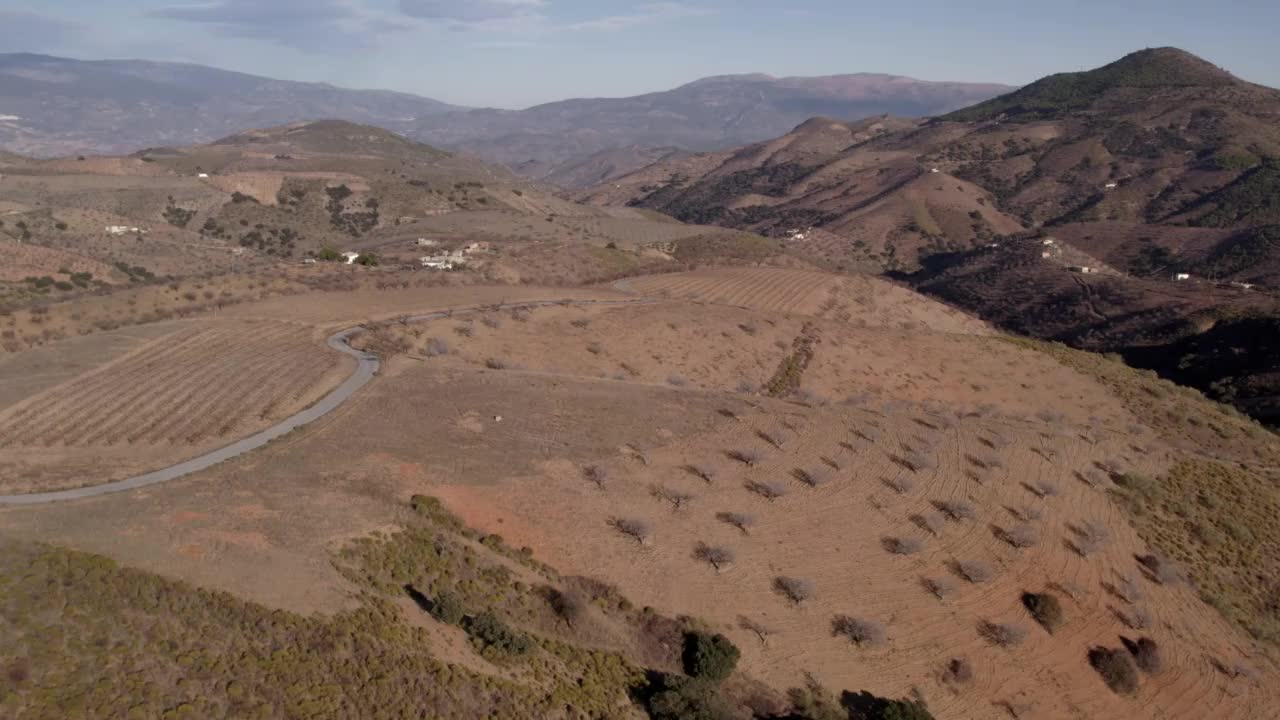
(67, 107)
(708, 114)
(1155, 165)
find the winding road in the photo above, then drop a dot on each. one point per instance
(367, 366)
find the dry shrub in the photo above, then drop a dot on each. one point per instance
(749, 457)
(775, 437)
(1162, 569)
(919, 462)
(863, 633)
(701, 470)
(1044, 489)
(1091, 537)
(678, 498)
(495, 363)
(436, 347)
(597, 475)
(1137, 618)
(958, 671)
(797, 590)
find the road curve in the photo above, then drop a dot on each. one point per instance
(367, 366)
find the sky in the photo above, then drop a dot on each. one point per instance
(517, 53)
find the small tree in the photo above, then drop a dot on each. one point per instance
(769, 490)
(569, 606)
(904, 545)
(743, 521)
(1003, 634)
(940, 587)
(975, 571)
(1045, 608)
(919, 462)
(716, 556)
(814, 477)
(864, 633)
(635, 528)
(775, 437)
(1116, 668)
(901, 484)
(1146, 653)
(1090, 538)
(957, 671)
(1022, 536)
(704, 471)
(759, 629)
(1162, 569)
(1137, 618)
(436, 347)
(1044, 489)
(597, 475)
(957, 509)
(930, 522)
(749, 457)
(678, 498)
(797, 590)
(709, 657)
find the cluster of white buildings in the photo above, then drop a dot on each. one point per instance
(119, 230)
(450, 259)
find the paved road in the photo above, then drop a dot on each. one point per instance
(367, 366)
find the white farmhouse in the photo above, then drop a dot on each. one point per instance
(350, 257)
(1181, 276)
(1111, 185)
(426, 242)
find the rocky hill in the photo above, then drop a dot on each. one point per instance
(1156, 166)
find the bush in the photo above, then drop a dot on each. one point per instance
(771, 490)
(1045, 608)
(597, 475)
(448, 608)
(568, 605)
(489, 629)
(675, 697)
(436, 347)
(748, 457)
(1116, 668)
(709, 657)
(1146, 653)
(904, 546)
(797, 590)
(635, 528)
(940, 587)
(866, 706)
(716, 556)
(1022, 536)
(814, 477)
(957, 509)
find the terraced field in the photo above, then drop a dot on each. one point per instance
(199, 387)
(863, 299)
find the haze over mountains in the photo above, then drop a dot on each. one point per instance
(54, 106)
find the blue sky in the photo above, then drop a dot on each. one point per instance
(514, 53)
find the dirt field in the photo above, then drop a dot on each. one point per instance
(199, 386)
(861, 300)
(894, 423)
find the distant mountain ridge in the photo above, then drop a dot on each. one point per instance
(707, 114)
(64, 106)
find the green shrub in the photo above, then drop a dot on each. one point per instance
(490, 630)
(448, 608)
(328, 254)
(709, 657)
(870, 707)
(1045, 608)
(680, 698)
(367, 259)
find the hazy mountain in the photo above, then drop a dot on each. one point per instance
(707, 114)
(57, 106)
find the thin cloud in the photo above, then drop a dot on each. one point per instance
(471, 11)
(22, 30)
(313, 25)
(642, 15)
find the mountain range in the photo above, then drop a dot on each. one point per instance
(56, 106)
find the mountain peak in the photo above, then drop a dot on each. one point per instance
(1149, 69)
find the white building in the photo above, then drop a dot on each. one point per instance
(425, 242)
(1083, 269)
(118, 229)
(1111, 185)
(203, 175)
(1181, 276)
(1046, 254)
(350, 257)
(1047, 241)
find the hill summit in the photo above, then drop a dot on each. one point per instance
(1145, 70)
